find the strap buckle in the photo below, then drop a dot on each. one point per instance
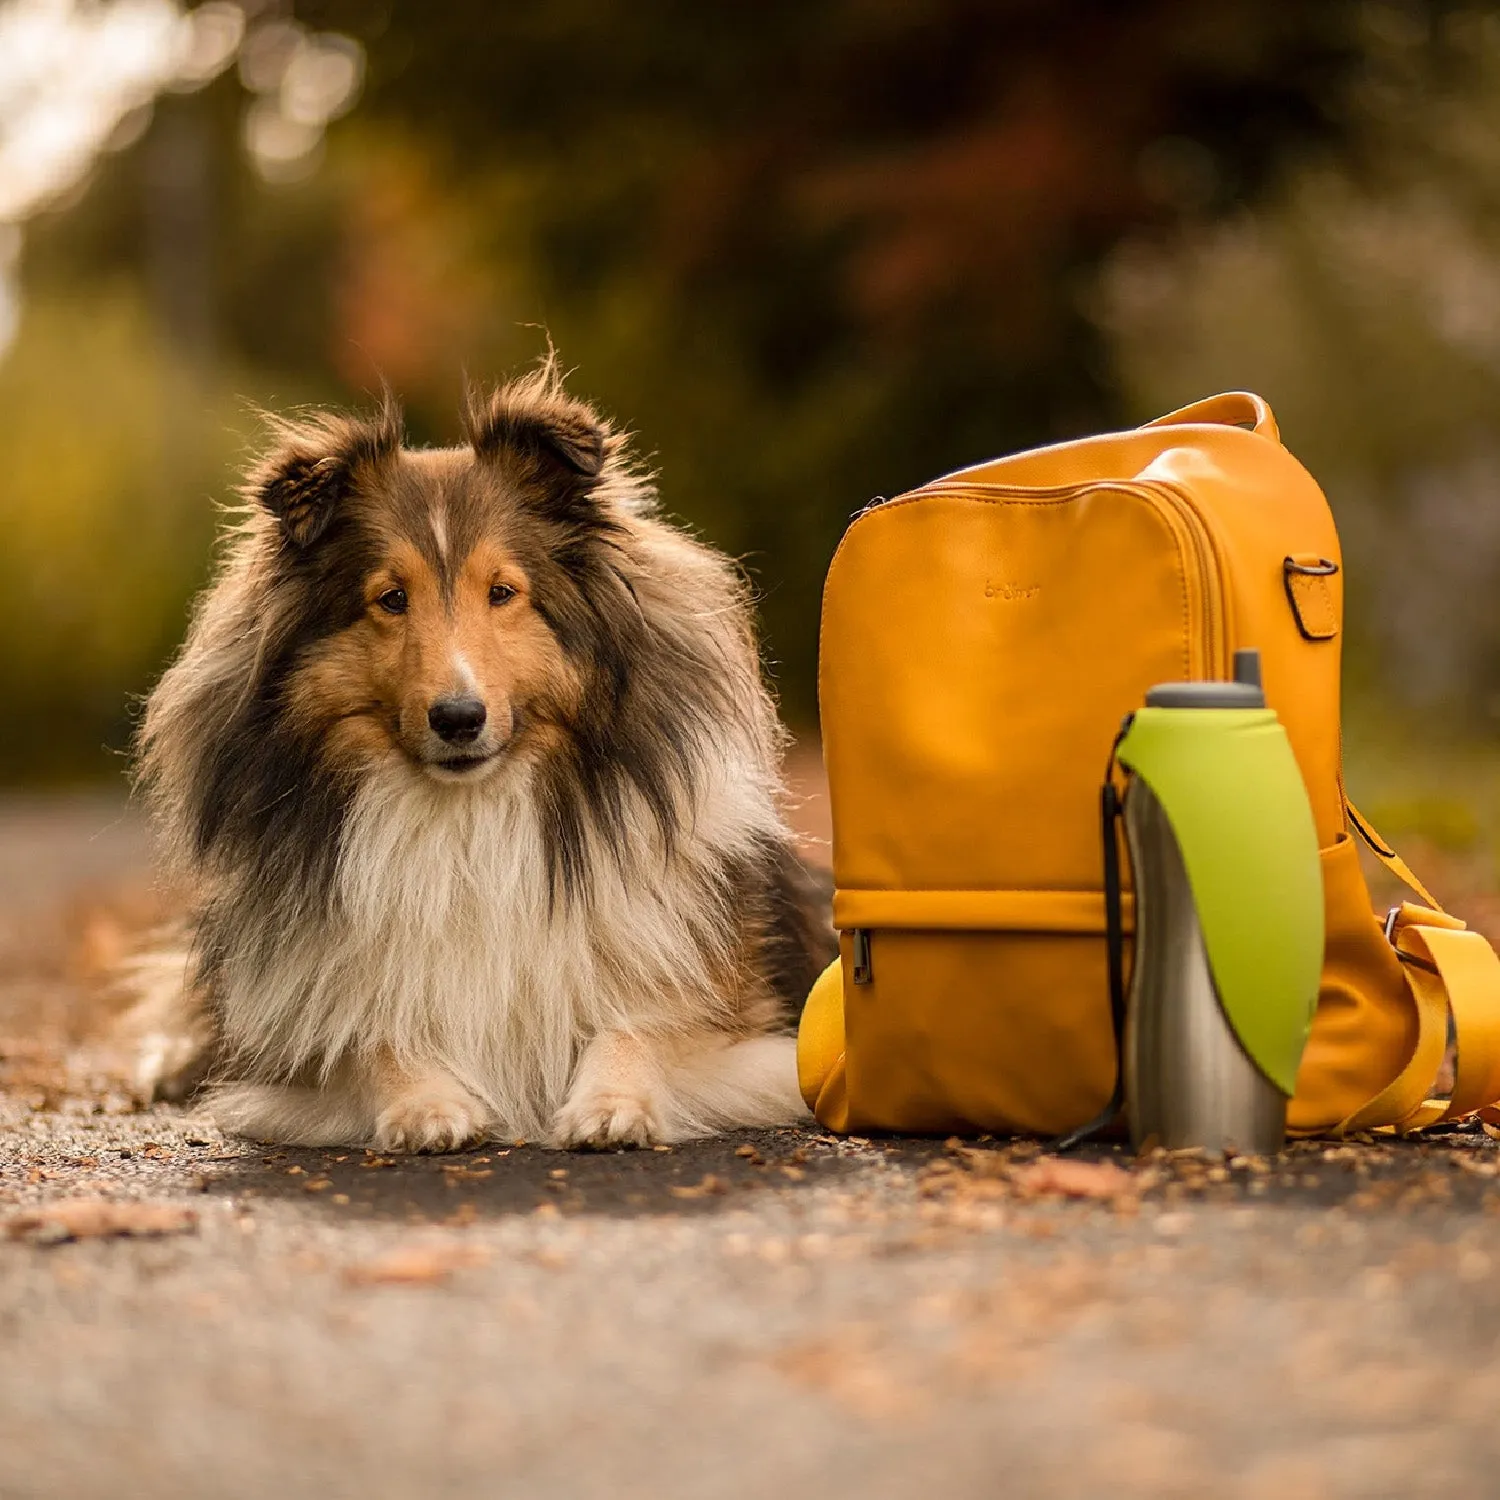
(1392, 921)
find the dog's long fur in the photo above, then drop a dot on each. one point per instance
(588, 929)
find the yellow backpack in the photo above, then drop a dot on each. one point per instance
(982, 638)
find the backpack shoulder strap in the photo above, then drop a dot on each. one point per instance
(1388, 856)
(1451, 972)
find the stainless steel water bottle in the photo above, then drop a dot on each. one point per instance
(1189, 1080)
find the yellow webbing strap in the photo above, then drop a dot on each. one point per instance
(1388, 856)
(1469, 971)
(1449, 970)
(1403, 1103)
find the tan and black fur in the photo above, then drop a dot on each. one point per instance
(581, 919)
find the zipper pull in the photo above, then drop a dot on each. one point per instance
(863, 973)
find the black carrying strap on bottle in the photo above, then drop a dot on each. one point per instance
(1111, 809)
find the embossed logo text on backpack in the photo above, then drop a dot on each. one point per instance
(998, 588)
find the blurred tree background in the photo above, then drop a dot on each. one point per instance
(808, 250)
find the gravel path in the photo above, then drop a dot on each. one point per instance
(778, 1313)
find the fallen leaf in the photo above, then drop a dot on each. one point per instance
(705, 1189)
(95, 1218)
(982, 1163)
(416, 1265)
(1057, 1177)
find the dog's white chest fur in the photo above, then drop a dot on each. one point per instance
(446, 949)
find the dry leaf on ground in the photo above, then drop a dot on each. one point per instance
(708, 1188)
(1057, 1177)
(95, 1219)
(416, 1265)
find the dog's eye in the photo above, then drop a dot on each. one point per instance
(501, 593)
(393, 601)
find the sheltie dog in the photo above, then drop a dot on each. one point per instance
(469, 761)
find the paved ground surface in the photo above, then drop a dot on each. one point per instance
(778, 1314)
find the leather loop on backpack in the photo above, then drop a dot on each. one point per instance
(1232, 409)
(1306, 577)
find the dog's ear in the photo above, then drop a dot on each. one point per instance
(314, 466)
(304, 492)
(561, 442)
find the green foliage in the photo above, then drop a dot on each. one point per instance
(110, 453)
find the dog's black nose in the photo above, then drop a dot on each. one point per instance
(457, 720)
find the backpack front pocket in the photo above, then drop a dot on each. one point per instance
(975, 1010)
(977, 1031)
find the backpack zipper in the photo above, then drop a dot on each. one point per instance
(863, 973)
(1210, 578)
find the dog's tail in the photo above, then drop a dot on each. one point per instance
(729, 1084)
(168, 1021)
(332, 1114)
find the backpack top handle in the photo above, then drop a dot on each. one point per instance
(1232, 409)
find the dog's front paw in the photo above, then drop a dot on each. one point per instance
(607, 1117)
(431, 1117)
